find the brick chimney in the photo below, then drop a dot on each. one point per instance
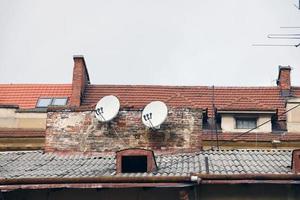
(80, 80)
(296, 161)
(284, 78)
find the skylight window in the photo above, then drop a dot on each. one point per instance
(59, 101)
(55, 101)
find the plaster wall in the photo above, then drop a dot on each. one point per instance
(228, 124)
(293, 116)
(11, 119)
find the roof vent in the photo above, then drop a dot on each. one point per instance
(296, 161)
(135, 161)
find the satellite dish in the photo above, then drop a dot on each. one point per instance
(154, 114)
(107, 108)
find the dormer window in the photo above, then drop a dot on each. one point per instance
(246, 114)
(135, 161)
(44, 102)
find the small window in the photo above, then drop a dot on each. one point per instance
(134, 164)
(245, 123)
(59, 101)
(45, 102)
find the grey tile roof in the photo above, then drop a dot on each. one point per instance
(36, 164)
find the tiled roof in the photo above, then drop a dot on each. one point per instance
(37, 164)
(26, 95)
(193, 96)
(245, 103)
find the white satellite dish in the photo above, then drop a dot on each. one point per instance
(154, 114)
(107, 108)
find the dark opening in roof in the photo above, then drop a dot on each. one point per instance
(135, 160)
(134, 164)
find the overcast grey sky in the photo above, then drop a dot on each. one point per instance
(166, 42)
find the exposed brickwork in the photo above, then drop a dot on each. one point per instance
(80, 131)
(80, 80)
(284, 78)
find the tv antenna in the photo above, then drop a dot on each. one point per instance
(297, 6)
(107, 108)
(283, 36)
(154, 114)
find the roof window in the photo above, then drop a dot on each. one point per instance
(51, 101)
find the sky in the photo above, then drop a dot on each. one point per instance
(142, 42)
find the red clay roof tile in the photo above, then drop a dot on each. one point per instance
(246, 103)
(26, 95)
(194, 96)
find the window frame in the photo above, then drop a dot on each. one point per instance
(52, 99)
(55, 98)
(245, 118)
(43, 98)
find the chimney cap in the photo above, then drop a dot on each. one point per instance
(281, 67)
(78, 56)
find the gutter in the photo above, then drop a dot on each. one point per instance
(247, 176)
(102, 179)
(194, 177)
(147, 181)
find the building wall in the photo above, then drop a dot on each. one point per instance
(11, 119)
(95, 194)
(80, 131)
(228, 124)
(293, 116)
(203, 192)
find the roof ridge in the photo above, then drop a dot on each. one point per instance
(184, 86)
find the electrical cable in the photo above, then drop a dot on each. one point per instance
(233, 138)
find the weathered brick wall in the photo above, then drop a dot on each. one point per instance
(80, 131)
(79, 82)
